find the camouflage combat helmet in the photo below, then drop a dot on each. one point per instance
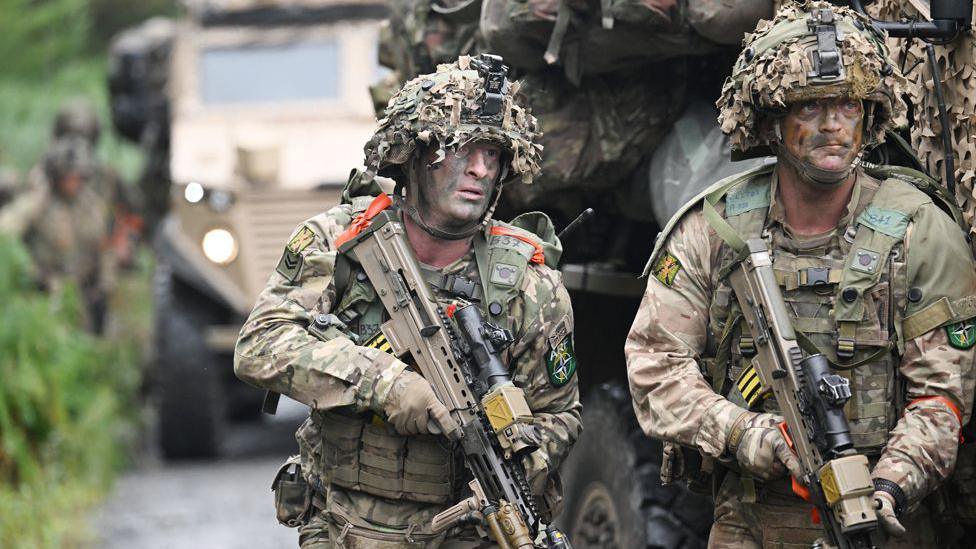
(77, 117)
(469, 100)
(810, 51)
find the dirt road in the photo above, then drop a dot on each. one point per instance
(205, 504)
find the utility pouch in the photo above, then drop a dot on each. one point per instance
(680, 463)
(292, 494)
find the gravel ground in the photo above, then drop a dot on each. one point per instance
(205, 504)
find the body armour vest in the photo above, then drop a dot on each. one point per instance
(358, 451)
(845, 291)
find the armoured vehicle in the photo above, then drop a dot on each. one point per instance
(244, 140)
(625, 93)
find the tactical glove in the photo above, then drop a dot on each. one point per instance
(885, 504)
(412, 408)
(758, 445)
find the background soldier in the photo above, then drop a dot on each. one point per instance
(864, 262)
(371, 449)
(77, 119)
(65, 224)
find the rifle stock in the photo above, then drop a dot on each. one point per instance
(811, 399)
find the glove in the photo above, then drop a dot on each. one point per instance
(412, 408)
(536, 471)
(760, 449)
(885, 504)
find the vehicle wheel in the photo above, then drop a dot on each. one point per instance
(188, 388)
(613, 497)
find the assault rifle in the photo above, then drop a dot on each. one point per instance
(464, 367)
(836, 479)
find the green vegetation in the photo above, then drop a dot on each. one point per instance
(52, 50)
(29, 108)
(67, 405)
(68, 401)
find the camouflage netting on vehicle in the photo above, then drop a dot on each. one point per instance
(601, 36)
(773, 69)
(445, 109)
(597, 134)
(957, 61)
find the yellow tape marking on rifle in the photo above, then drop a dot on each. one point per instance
(750, 386)
(380, 342)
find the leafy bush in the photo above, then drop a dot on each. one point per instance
(66, 406)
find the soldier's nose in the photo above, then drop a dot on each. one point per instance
(477, 166)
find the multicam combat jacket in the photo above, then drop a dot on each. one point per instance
(389, 479)
(687, 354)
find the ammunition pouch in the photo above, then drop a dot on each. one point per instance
(361, 453)
(292, 494)
(350, 531)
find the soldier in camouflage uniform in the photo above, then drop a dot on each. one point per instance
(77, 119)
(876, 276)
(66, 224)
(372, 449)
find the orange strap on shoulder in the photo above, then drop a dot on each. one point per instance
(948, 404)
(362, 220)
(538, 257)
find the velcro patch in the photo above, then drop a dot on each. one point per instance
(666, 268)
(962, 335)
(561, 362)
(746, 199)
(890, 222)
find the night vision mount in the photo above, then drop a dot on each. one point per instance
(496, 84)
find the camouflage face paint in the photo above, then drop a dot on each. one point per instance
(458, 188)
(825, 133)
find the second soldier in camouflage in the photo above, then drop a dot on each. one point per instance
(875, 275)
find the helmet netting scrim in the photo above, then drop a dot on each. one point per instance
(446, 110)
(776, 68)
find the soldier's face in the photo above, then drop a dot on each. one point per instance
(458, 188)
(825, 133)
(70, 185)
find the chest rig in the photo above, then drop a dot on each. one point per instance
(846, 293)
(359, 451)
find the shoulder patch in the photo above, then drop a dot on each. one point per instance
(962, 335)
(301, 240)
(561, 361)
(290, 264)
(666, 269)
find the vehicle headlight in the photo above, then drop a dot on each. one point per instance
(193, 192)
(220, 246)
